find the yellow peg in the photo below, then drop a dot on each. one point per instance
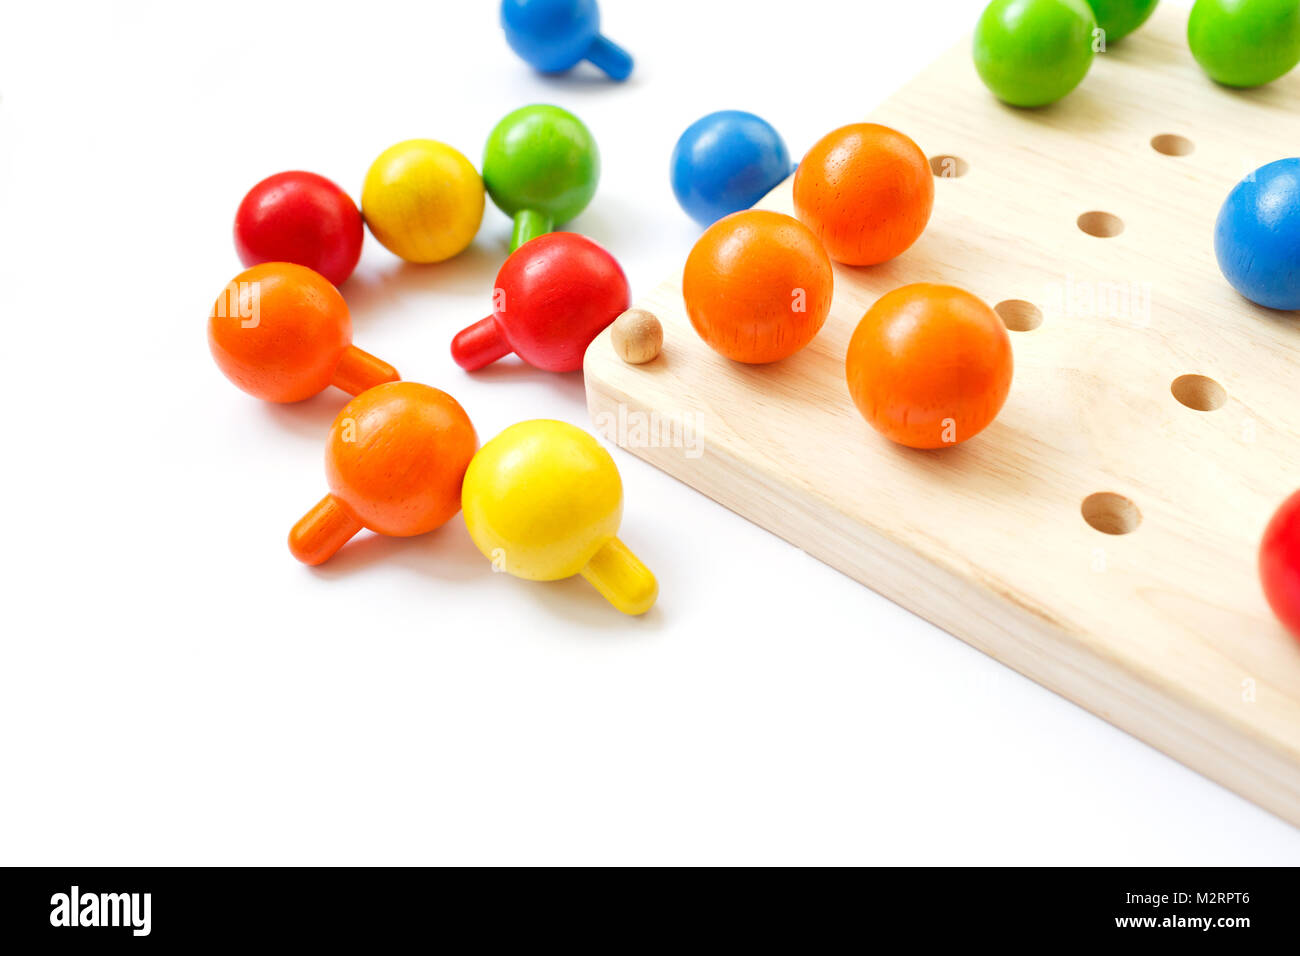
(543, 501)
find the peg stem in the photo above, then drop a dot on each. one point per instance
(610, 57)
(358, 371)
(619, 575)
(529, 224)
(480, 344)
(322, 531)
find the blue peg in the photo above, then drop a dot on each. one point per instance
(726, 162)
(555, 35)
(1257, 235)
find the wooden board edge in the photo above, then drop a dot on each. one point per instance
(993, 623)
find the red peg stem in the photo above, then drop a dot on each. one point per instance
(480, 344)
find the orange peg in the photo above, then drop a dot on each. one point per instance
(866, 190)
(394, 461)
(757, 286)
(282, 333)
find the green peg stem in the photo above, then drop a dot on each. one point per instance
(529, 224)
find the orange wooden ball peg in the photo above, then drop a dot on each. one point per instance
(929, 365)
(282, 333)
(757, 286)
(867, 192)
(394, 462)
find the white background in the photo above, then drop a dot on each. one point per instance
(175, 688)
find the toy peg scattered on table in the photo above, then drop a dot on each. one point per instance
(394, 462)
(543, 501)
(556, 35)
(1257, 235)
(757, 286)
(929, 365)
(282, 333)
(302, 218)
(552, 297)
(540, 166)
(866, 191)
(423, 200)
(726, 162)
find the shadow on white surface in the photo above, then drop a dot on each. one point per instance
(448, 556)
(311, 418)
(514, 369)
(373, 292)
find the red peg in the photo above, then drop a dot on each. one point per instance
(282, 332)
(553, 296)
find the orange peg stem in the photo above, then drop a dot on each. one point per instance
(323, 530)
(358, 371)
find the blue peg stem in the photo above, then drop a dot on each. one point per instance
(610, 57)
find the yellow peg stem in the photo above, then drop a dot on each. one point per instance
(620, 576)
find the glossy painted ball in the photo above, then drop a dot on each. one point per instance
(866, 191)
(544, 159)
(302, 218)
(1033, 52)
(542, 498)
(1245, 42)
(555, 35)
(1257, 235)
(726, 162)
(1119, 18)
(1279, 563)
(757, 286)
(423, 200)
(278, 331)
(397, 455)
(929, 365)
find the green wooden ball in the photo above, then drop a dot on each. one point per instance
(1245, 42)
(1033, 52)
(541, 166)
(1119, 18)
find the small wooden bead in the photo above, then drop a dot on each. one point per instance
(637, 335)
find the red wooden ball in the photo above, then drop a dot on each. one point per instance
(1279, 563)
(301, 218)
(553, 296)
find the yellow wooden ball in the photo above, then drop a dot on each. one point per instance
(423, 200)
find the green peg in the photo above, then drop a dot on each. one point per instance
(540, 166)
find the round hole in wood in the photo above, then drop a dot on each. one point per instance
(1110, 513)
(1171, 144)
(1199, 392)
(948, 167)
(1103, 225)
(1019, 315)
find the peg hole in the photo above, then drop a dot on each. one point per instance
(948, 167)
(1110, 513)
(1019, 315)
(1171, 144)
(1103, 225)
(1200, 392)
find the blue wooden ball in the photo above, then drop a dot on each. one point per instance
(555, 35)
(1257, 236)
(726, 162)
